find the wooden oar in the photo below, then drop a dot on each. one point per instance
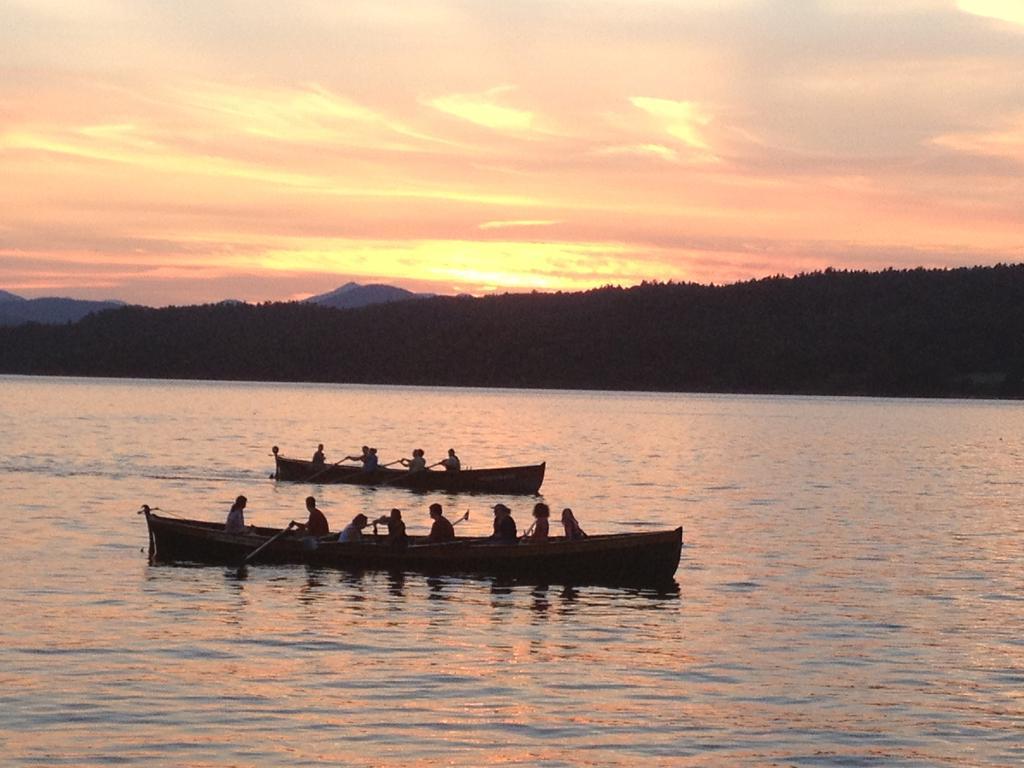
(266, 544)
(461, 519)
(330, 466)
(405, 475)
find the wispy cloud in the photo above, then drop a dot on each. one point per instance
(1004, 10)
(485, 110)
(519, 223)
(1006, 141)
(590, 141)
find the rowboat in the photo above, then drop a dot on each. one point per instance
(639, 559)
(513, 480)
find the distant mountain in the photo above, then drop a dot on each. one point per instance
(352, 295)
(16, 310)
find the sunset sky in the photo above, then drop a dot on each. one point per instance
(181, 152)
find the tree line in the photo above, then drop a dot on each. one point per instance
(928, 333)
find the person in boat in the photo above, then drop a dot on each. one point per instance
(571, 526)
(354, 530)
(452, 463)
(235, 522)
(442, 528)
(538, 532)
(368, 457)
(318, 458)
(316, 525)
(396, 528)
(505, 531)
(417, 463)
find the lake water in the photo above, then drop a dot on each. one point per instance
(851, 590)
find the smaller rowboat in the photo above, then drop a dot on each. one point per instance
(637, 559)
(511, 480)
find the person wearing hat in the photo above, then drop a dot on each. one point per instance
(505, 531)
(442, 529)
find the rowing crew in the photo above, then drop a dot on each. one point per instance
(371, 463)
(441, 529)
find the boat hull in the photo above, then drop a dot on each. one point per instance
(641, 559)
(504, 480)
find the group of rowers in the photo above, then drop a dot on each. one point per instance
(370, 462)
(441, 530)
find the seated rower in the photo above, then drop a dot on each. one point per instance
(452, 463)
(417, 463)
(318, 458)
(538, 532)
(354, 530)
(572, 528)
(505, 531)
(442, 529)
(368, 457)
(316, 525)
(396, 528)
(235, 522)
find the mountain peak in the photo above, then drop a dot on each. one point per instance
(353, 295)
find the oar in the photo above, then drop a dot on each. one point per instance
(461, 519)
(405, 475)
(320, 472)
(266, 544)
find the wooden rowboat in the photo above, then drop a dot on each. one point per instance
(640, 559)
(513, 480)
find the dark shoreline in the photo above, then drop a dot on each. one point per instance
(917, 333)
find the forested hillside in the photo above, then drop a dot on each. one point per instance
(920, 332)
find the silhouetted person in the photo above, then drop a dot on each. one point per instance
(417, 463)
(316, 525)
(368, 457)
(505, 531)
(354, 530)
(442, 528)
(396, 528)
(572, 528)
(452, 463)
(539, 530)
(236, 516)
(318, 457)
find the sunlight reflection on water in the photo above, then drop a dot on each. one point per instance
(849, 594)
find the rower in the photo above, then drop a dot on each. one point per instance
(354, 530)
(396, 528)
(538, 532)
(368, 457)
(452, 463)
(236, 516)
(505, 531)
(318, 458)
(316, 525)
(572, 527)
(442, 528)
(417, 463)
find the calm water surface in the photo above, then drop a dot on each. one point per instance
(851, 590)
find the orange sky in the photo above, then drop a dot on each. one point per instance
(185, 152)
